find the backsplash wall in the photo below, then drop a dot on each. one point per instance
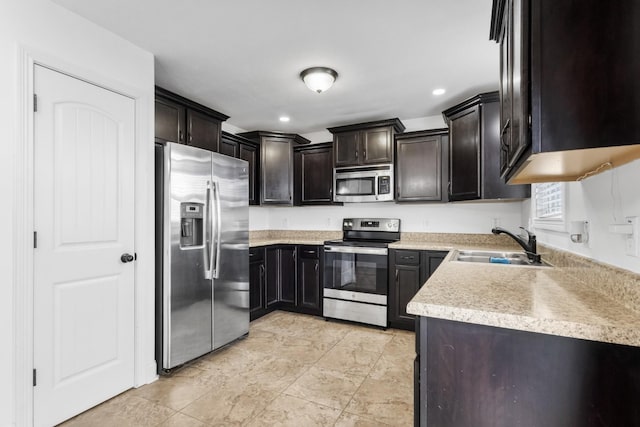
(472, 217)
(602, 200)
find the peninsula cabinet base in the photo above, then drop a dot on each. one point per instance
(479, 376)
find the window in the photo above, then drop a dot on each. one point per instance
(549, 206)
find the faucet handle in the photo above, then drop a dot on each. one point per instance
(529, 234)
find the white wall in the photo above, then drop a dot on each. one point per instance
(602, 200)
(473, 217)
(43, 28)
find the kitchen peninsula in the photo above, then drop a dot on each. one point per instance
(528, 346)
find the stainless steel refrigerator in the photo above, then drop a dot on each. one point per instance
(202, 252)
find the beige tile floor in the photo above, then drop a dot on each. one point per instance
(292, 370)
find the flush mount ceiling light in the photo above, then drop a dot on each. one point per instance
(319, 79)
(284, 119)
(437, 92)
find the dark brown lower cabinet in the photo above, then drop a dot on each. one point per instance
(272, 283)
(257, 290)
(479, 376)
(287, 278)
(408, 270)
(309, 283)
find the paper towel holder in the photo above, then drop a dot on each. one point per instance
(579, 231)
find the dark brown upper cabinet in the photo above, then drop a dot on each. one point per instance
(422, 166)
(365, 143)
(313, 174)
(474, 151)
(569, 87)
(181, 120)
(169, 120)
(245, 149)
(276, 165)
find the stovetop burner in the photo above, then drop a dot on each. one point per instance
(371, 232)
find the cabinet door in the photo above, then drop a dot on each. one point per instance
(277, 171)
(314, 176)
(273, 276)
(519, 71)
(288, 275)
(256, 289)
(377, 146)
(433, 261)
(347, 148)
(228, 147)
(309, 284)
(169, 121)
(407, 283)
(464, 155)
(250, 154)
(204, 131)
(506, 88)
(419, 169)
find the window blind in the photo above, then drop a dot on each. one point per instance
(549, 200)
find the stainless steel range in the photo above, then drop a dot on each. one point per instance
(356, 279)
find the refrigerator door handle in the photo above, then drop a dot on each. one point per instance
(215, 263)
(208, 234)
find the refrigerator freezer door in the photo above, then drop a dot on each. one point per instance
(187, 296)
(230, 219)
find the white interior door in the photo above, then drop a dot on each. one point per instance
(84, 219)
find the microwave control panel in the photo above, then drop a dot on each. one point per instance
(384, 184)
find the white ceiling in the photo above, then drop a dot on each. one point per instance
(243, 57)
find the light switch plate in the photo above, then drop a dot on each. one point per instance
(633, 240)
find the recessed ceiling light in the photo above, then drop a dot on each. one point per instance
(284, 119)
(438, 91)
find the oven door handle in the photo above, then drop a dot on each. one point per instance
(356, 250)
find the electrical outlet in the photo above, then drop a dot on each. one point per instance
(328, 222)
(425, 224)
(633, 240)
(496, 222)
(285, 223)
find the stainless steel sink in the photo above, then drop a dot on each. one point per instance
(503, 258)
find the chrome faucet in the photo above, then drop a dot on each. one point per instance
(529, 245)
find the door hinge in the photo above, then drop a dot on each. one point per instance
(35, 102)
(34, 377)
(35, 239)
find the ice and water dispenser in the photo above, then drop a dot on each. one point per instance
(191, 224)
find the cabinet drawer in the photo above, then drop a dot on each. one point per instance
(407, 257)
(309, 251)
(256, 254)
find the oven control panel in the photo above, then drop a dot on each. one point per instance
(371, 224)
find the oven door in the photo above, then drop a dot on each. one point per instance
(356, 269)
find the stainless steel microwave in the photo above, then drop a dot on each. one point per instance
(363, 183)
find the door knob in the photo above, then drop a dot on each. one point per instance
(125, 258)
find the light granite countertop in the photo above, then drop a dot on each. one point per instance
(576, 298)
(535, 299)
